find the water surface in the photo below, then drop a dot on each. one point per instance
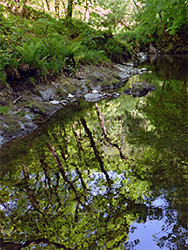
(110, 175)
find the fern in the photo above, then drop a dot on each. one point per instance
(72, 49)
(33, 52)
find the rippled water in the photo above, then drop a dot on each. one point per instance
(106, 175)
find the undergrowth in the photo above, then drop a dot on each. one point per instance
(42, 47)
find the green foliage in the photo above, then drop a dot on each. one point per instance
(159, 21)
(109, 14)
(115, 50)
(32, 53)
(87, 56)
(43, 44)
(48, 46)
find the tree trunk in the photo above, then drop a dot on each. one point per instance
(86, 14)
(48, 5)
(95, 150)
(69, 13)
(57, 11)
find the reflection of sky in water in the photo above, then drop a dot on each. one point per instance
(96, 183)
(145, 233)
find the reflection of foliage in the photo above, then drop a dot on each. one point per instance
(177, 239)
(161, 128)
(164, 122)
(70, 194)
(88, 180)
(165, 67)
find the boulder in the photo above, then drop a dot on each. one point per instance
(139, 89)
(93, 97)
(152, 49)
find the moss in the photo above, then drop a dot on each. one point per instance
(4, 109)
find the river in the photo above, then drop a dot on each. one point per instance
(104, 175)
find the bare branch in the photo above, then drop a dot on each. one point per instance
(107, 138)
(62, 171)
(96, 152)
(8, 245)
(30, 194)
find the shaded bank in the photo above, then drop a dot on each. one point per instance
(24, 108)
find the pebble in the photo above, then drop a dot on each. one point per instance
(64, 102)
(75, 103)
(70, 96)
(55, 102)
(94, 91)
(1, 140)
(28, 117)
(115, 95)
(21, 125)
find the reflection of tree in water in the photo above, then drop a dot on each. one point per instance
(169, 67)
(69, 194)
(164, 158)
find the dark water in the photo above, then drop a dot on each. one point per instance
(111, 175)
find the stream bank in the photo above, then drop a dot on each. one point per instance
(25, 107)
